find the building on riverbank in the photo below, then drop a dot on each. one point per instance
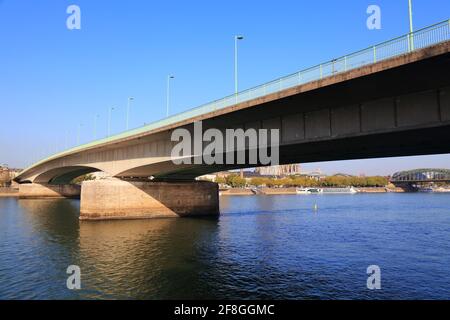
(280, 170)
(7, 175)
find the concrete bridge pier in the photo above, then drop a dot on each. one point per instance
(38, 191)
(118, 199)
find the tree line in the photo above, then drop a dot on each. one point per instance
(236, 181)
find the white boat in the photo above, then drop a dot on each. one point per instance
(425, 189)
(349, 190)
(340, 190)
(302, 191)
(308, 190)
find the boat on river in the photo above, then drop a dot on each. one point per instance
(348, 190)
(309, 190)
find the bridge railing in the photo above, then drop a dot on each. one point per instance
(422, 38)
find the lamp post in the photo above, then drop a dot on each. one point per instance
(236, 39)
(128, 110)
(411, 38)
(168, 94)
(109, 120)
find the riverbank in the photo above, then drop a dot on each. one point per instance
(278, 191)
(379, 190)
(292, 191)
(9, 192)
(251, 192)
(236, 192)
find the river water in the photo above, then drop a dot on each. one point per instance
(260, 247)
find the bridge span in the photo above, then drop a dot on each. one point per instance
(384, 101)
(420, 176)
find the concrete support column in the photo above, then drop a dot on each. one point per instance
(117, 199)
(35, 190)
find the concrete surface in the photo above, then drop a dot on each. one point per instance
(118, 199)
(34, 190)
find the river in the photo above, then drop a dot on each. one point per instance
(261, 247)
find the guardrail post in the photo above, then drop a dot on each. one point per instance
(374, 54)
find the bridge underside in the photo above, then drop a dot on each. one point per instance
(434, 140)
(63, 175)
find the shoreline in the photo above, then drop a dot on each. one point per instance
(8, 192)
(14, 193)
(293, 191)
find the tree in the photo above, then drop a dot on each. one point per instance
(80, 179)
(258, 181)
(235, 181)
(220, 180)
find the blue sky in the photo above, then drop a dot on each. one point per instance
(52, 79)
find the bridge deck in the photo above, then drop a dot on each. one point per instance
(423, 44)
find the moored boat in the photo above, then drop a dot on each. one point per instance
(340, 190)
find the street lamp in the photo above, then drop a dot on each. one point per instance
(236, 38)
(168, 94)
(411, 39)
(128, 110)
(109, 120)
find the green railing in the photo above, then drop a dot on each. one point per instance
(422, 38)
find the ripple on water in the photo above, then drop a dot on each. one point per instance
(259, 248)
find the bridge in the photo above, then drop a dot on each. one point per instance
(392, 99)
(420, 176)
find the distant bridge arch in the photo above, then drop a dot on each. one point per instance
(421, 175)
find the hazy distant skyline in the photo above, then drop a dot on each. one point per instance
(52, 80)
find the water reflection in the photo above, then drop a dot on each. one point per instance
(57, 218)
(142, 258)
(260, 247)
